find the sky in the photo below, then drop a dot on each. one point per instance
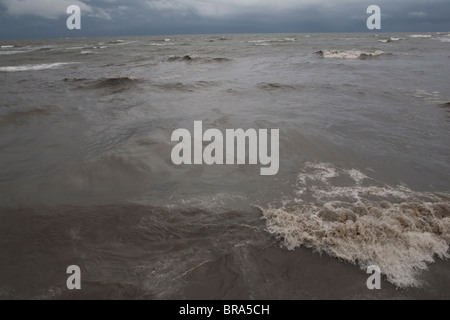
(26, 19)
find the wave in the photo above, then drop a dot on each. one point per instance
(116, 42)
(118, 84)
(277, 86)
(160, 44)
(390, 40)
(445, 106)
(365, 222)
(218, 39)
(350, 54)
(23, 116)
(188, 57)
(292, 39)
(195, 57)
(5, 53)
(420, 36)
(189, 87)
(35, 67)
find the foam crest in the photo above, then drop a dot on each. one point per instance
(34, 67)
(348, 54)
(365, 223)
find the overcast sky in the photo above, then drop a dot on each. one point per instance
(47, 18)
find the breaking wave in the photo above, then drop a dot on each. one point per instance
(34, 67)
(420, 36)
(364, 222)
(351, 54)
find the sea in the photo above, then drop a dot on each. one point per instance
(87, 179)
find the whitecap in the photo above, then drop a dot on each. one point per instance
(75, 48)
(364, 222)
(420, 36)
(34, 67)
(5, 53)
(350, 54)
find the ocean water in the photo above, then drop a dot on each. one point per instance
(86, 176)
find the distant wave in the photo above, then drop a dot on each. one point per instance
(292, 39)
(115, 42)
(5, 53)
(445, 106)
(365, 222)
(186, 87)
(268, 42)
(188, 57)
(351, 54)
(6, 50)
(118, 42)
(156, 44)
(35, 67)
(118, 84)
(217, 39)
(195, 57)
(390, 40)
(277, 86)
(420, 36)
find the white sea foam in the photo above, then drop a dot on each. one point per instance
(5, 53)
(349, 54)
(34, 67)
(390, 226)
(420, 36)
(268, 41)
(75, 48)
(258, 41)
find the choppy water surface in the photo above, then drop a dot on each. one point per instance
(86, 175)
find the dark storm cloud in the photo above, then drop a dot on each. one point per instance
(47, 18)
